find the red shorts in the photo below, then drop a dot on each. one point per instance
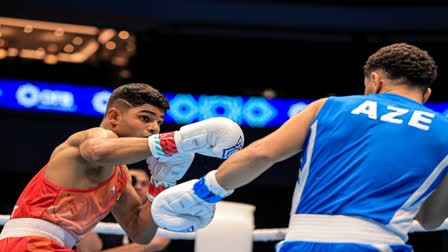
(31, 244)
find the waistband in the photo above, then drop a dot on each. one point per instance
(30, 226)
(339, 228)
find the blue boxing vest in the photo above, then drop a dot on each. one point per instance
(377, 157)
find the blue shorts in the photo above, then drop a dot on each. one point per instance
(303, 246)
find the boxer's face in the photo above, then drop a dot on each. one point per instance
(141, 121)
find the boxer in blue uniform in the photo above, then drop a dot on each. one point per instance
(368, 162)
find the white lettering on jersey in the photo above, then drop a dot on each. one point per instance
(368, 107)
(419, 119)
(390, 117)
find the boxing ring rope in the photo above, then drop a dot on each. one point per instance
(258, 235)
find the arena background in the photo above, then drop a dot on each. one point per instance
(298, 49)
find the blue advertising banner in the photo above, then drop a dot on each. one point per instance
(74, 99)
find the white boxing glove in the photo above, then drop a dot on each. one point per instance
(188, 206)
(166, 171)
(216, 137)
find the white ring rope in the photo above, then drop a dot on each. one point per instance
(264, 235)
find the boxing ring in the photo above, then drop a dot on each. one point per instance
(232, 229)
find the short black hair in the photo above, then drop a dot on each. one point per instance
(138, 94)
(402, 60)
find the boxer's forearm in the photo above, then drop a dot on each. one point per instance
(125, 150)
(243, 167)
(136, 221)
(252, 161)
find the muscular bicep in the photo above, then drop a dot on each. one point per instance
(91, 141)
(288, 140)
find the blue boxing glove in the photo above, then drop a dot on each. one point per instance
(188, 206)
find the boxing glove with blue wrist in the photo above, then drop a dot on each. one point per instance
(189, 205)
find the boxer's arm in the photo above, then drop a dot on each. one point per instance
(252, 161)
(91, 242)
(218, 137)
(189, 206)
(134, 216)
(434, 210)
(104, 147)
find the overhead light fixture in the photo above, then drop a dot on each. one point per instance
(54, 42)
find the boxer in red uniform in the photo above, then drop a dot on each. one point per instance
(86, 176)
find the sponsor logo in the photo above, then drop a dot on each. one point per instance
(230, 151)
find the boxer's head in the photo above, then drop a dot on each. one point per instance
(135, 109)
(400, 64)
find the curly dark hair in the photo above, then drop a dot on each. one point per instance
(414, 65)
(137, 94)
